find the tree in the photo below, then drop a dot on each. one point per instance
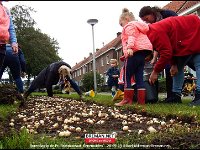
(88, 81)
(39, 49)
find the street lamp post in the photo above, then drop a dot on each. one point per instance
(92, 22)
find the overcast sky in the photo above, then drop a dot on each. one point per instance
(66, 21)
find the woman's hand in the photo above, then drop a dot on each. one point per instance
(153, 61)
(173, 70)
(153, 77)
(15, 48)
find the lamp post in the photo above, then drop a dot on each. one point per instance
(92, 22)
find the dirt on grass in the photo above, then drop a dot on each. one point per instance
(75, 118)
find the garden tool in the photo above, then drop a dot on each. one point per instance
(67, 87)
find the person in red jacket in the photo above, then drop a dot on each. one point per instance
(177, 40)
(151, 15)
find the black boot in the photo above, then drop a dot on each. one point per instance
(175, 98)
(196, 100)
(23, 101)
(26, 94)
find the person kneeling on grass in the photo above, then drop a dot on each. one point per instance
(50, 76)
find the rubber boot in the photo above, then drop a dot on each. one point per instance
(119, 95)
(141, 96)
(128, 97)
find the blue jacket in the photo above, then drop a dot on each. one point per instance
(168, 13)
(13, 38)
(112, 71)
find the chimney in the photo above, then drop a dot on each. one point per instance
(118, 33)
(90, 54)
(84, 57)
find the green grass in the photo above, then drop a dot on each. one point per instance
(17, 140)
(5, 110)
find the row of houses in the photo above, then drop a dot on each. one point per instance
(113, 49)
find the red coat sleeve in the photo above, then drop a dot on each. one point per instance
(161, 43)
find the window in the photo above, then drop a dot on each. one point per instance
(84, 69)
(107, 59)
(91, 67)
(102, 62)
(105, 78)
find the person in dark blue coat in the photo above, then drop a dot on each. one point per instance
(50, 76)
(151, 15)
(17, 64)
(113, 75)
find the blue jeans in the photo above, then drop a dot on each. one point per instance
(12, 61)
(193, 61)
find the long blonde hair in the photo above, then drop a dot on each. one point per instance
(126, 15)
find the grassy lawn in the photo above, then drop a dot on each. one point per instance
(24, 140)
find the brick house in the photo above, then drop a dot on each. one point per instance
(102, 58)
(114, 48)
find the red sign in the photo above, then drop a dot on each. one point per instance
(100, 140)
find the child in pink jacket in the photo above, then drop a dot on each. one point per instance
(136, 47)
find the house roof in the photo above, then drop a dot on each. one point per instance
(180, 6)
(113, 44)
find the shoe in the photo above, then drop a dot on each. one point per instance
(175, 98)
(196, 100)
(22, 104)
(25, 95)
(128, 97)
(118, 95)
(81, 96)
(113, 93)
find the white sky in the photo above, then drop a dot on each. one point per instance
(66, 21)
